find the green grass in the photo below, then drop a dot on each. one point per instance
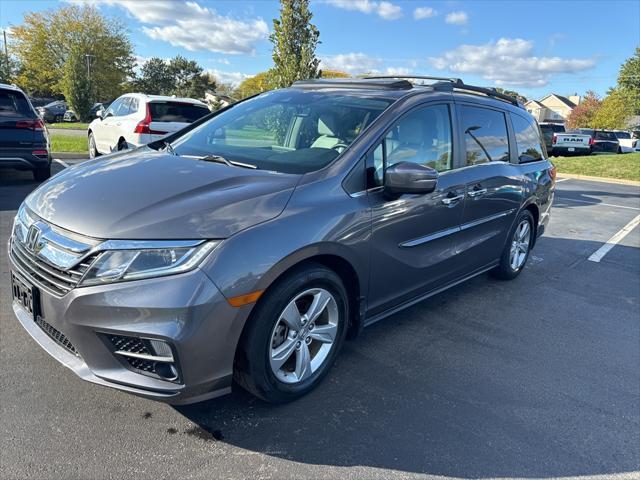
(68, 143)
(625, 167)
(69, 125)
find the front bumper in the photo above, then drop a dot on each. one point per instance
(185, 310)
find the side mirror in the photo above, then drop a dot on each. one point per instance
(408, 177)
(99, 113)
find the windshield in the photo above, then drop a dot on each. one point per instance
(289, 131)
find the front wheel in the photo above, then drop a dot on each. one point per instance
(293, 336)
(516, 251)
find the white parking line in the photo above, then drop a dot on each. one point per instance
(596, 203)
(63, 163)
(562, 180)
(613, 241)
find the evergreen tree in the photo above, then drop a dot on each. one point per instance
(294, 41)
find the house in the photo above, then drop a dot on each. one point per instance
(216, 101)
(553, 108)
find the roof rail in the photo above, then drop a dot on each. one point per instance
(445, 83)
(390, 83)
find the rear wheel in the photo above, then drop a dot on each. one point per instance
(41, 174)
(293, 336)
(58, 118)
(516, 251)
(93, 150)
(122, 145)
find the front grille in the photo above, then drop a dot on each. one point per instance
(56, 335)
(44, 275)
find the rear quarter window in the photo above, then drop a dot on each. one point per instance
(14, 104)
(176, 112)
(528, 141)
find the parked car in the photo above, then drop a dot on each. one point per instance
(602, 141)
(70, 115)
(251, 243)
(136, 119)
(626, 140)
(24, 140)
(571, 143)
(53, 112)
(548, 129)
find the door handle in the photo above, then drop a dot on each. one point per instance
(450, 200)
(477, 193)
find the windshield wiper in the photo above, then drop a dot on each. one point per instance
(169, 148)
(230, 163)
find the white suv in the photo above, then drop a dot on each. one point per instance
(136, 119)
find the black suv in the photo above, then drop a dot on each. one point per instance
(249, 244)
(24, 140)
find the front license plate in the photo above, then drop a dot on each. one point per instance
(571, 149)
(26, 295)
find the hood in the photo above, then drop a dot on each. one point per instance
(149, 195)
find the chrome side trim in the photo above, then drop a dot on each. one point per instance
(449, 231)
(490, 218)
(427, 238)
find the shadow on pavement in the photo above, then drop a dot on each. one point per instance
(490, 379)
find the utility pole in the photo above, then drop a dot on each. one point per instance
(88, 57)
(6, 50)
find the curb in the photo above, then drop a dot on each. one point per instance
(618, 181)
(70, 155)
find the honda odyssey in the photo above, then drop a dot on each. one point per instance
(245, 248)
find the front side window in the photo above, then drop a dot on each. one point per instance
(114, 106)
(288, 131)
(485, 135)
(527, 139)
(422, 136)
(123, 109)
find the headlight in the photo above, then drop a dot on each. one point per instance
(133, 260)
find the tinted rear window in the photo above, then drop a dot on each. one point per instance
(176, 112)
(552, 128)
(605, 136)
(625, 135)
(14, 104)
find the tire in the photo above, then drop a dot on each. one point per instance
(510, 267)
(57, 119)
(42, 174)
(122, 145)
(93, 150)
(275, 378)
(619, 150)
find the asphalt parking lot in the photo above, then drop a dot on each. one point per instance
(535, 378)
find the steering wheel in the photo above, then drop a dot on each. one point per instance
(340, 147)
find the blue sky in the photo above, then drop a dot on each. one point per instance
(533, 47)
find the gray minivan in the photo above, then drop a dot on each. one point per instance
(249, 245)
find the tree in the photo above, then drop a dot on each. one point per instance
(178, 76)
(259, 83)
(614, 111)
(629, 80)
(47, 40)
(156, 78)
(294, 41)
(512, 93)
(76, 85)
(333, 74)
(583, 115)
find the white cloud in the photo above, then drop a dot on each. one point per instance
(400, 71)
(508, 62)
(424, 12)
(384, 9)
(360, 63)
(351, 63)
(233, 78)
(193, 27)
(457, 18)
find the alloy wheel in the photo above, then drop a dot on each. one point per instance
(520, 245)
(303, 335)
